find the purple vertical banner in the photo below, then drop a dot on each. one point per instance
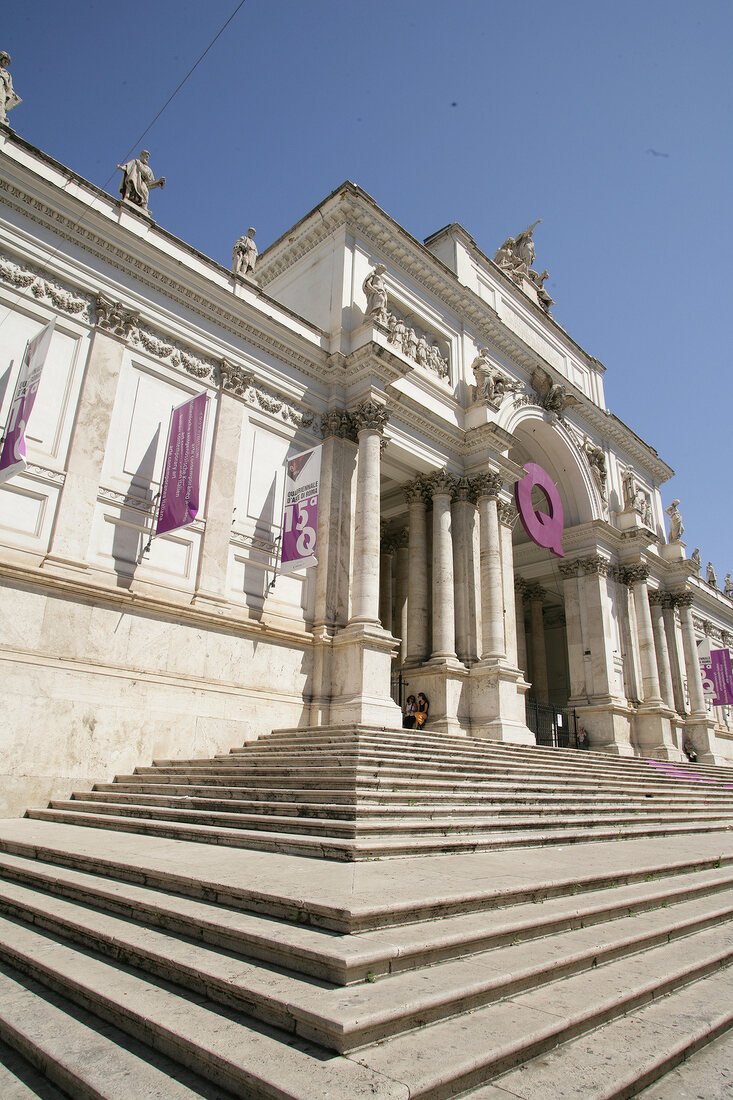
(13, 454)
(722, 676)
(300, 511)
(179, 488)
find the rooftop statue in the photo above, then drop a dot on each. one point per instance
(244, 253)
(710, 575)
(676, 526)
(696, 559)
(138, 180)
(524, 245)
(538, 279)
(8, 98)
(728, 589)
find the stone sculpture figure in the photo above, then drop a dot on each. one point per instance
(695, 558)
(376, 293)
(676, 526)
(423, 351)
(728, 589)
(138, 180)
(524, 245)
(552, 395)
(244, 253)
(8, 98)
(597, 462)
(538, 279)
(507, 259)
(710, 575)
(492, 385)
(398, 332)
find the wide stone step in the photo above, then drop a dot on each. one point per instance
(622, 1057)
(330, 847)
(346, 959)
(80, 1054)
(345, 1018)
(450, 1057)
(390, 805)
(364, 825)
(221, 1046)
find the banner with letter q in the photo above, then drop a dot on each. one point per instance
(300, 510)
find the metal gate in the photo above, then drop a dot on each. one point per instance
(552, 726)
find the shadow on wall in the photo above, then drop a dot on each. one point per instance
(131, 529)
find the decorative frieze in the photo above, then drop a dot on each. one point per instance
(114, 317)
(234, 379)
(416, 345)
(49, 291)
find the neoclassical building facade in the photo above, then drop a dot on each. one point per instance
(431, 375)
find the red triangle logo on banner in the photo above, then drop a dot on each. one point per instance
(295, 465)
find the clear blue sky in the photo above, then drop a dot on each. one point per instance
(611, 122)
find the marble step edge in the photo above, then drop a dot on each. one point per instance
(349, 959)
(628, 1054)
(389, 807)
(489, 1041)
(68, 1051)
(364, 825)
(245, 1057)
(349, 850)
(345, 1018)
(233, 1055)
(64, 851)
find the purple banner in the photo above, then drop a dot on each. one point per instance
(13, 455)
(300, 511)
(179, 489)
(717, 677)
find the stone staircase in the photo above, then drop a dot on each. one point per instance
(526, 953)
(365, 794)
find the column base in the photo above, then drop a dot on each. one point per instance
(497, 703)
(608, 726)
(701, 732)
(360, 678)
(445, 683)
(653, 733)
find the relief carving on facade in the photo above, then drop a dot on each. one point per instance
(507, 513)
(45, 290)
(552, 396)
(114, 317)
(416, 346)
(597, 462)
(636, 499)
(234, 379)
(492, 384)
(376, 295)
(487, 485)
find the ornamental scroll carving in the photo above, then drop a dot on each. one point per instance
(370, 416)
(487, 485)
(49, 291)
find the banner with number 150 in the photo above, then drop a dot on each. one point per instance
(300, 511)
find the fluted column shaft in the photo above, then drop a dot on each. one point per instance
(462, 520)
(647, 650)
(656, 601)
(574, 629)
(417, 583)
(370, 419)
(519, 590)
(492, 594)
(507, 515)
(400, 623)
(539, 648)
(386, 588)
(444, 623)
(692, 663)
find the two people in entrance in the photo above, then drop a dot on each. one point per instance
(416, 712)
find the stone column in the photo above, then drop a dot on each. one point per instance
(75, 513)
(362, 651)
(656, 605)
(698, 707)
(676, 657)
(385, 581)
(579, 690)
(488, 487)
(211, 582)
(637, 575)
(507, 515)
(539, 651)
(462, 519)
(417, 589)
(401, 625)
(520, 587)
(444, 626)
(370, 419)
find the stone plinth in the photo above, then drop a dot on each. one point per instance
(446, 685)
(362, 665)
(497, 703)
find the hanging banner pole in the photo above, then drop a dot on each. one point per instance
(279, 540)
(178, 498)
(13, 454)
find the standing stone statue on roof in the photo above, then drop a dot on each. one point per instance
(728, 589)
(524, 245)
(538, 279)
(376, 292)
(8, 98)
(244, 253)
(710, 575)
(676, 526)
(696, 559)
(138, 180)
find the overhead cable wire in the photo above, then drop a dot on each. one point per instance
(75, 225)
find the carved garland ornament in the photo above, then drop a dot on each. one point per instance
(45, 290)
